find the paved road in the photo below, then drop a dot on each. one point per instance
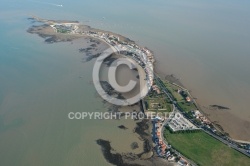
(175, 151)
(227, 143)
(165, 90)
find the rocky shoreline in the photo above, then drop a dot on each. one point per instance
(143, 128)
(147, 157)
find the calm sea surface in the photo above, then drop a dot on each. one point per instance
(205, 43)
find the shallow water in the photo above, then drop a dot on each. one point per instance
(205, 43)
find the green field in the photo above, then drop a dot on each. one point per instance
(158, 104)
(186, 106)
(205, 150)
(173, 89)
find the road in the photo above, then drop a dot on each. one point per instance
(171, 98)
(166, 143)
(227, 143)
(165, 90)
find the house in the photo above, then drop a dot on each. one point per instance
(197, 113)
(188, 99)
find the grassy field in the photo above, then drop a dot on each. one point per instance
(187, 106)
(158, 102)
(153, 104)
(173, 89)
(205, 150)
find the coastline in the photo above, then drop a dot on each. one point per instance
(147, 157)
(48, 32)
(51, 37)
(142, 129)
(221, 117)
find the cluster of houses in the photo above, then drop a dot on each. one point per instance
(160, 146)
(145, 58)
(198, 115)
(141, 55)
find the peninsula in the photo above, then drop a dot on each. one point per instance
(185, 117)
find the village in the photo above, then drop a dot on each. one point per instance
(164, 96)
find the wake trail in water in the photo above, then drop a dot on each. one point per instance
(47, 3)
